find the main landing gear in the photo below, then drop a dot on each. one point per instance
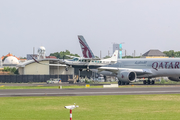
(67, 68)
(122, 83)
(149, 82)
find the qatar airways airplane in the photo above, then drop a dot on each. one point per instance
(128, 70)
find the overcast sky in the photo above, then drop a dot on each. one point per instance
(55, 24)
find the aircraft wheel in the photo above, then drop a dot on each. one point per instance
(66, 69)
(153, 82)
(144, 82)
(149, 82)
(119, 82)
(123, 83)
(127, 83)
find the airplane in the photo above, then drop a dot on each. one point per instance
(87, 53)
(85, 63)
(90, 63)
(128, 70)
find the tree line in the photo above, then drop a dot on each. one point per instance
(172, 53)
(62, 54)
(10, 70)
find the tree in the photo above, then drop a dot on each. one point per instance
(62, 54)
(23, 58)
(171, 53)
(106, 57)
(11, 70)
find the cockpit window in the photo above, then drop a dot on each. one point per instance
(75, 59)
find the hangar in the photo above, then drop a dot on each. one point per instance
(30, 67)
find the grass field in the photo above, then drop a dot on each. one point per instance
(112, 107)
(46, 87)
(76, 86)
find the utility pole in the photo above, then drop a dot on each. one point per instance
(33, 51)
(125, 53)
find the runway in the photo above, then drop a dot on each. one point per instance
(90, 91)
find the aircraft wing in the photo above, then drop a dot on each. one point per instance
(115, 70)
(52, 64)
(61, 63)
(72, 56)
(90, 59)
(82, 58)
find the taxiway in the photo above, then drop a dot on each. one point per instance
(89, 91)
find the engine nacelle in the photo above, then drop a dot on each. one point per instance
(126, 76)
(174, 78)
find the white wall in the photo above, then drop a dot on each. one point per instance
(37, 69)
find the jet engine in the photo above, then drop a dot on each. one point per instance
(126, 76)
(174, 78)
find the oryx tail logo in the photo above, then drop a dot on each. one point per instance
(122, 76)
(87, 53)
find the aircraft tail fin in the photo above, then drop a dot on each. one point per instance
(86, 51)
(114, 57)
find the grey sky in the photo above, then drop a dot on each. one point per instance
(55, 24)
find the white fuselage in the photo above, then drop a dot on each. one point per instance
(158, 66)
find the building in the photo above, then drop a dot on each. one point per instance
(30, 67)
(116, 47)
(12, 59)
(154, 54)
(119, 48)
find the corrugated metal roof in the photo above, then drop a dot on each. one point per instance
(154, 53)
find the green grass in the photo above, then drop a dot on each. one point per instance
(112, 107)
(45, 87)
(76, 86)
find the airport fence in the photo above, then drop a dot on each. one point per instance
(31, 78)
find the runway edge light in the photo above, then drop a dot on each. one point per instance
(71, 107)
